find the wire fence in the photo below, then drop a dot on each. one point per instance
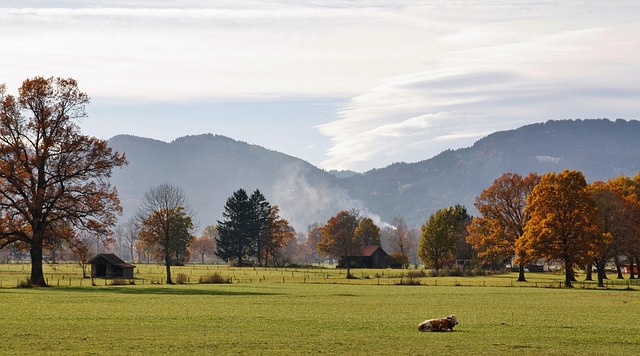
(68, 275)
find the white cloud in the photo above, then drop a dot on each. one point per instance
(231, 50)
(421, 76)
(494, 76)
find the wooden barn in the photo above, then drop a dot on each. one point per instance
(108, 265)
(366, 257)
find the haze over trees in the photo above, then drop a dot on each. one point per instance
(401, 246)
(54, 181)
(314, 236)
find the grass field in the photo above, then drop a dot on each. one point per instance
(315, 315)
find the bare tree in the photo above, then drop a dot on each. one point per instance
(166, 224)
(129, 231)
(400, 241)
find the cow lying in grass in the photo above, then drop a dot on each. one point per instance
(442, 324)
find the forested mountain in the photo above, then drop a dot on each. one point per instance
(601, 149)
(210, 168)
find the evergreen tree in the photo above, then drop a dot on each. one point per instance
(260, 224)
(235, 240)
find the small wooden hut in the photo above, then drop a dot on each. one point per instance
(366, 257)
(108, 265)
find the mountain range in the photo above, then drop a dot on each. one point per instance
(209, 168)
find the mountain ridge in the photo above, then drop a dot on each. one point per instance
(211, 167)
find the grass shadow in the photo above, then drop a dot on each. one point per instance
(160, 291)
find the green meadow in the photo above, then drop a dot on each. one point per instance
(313, 311)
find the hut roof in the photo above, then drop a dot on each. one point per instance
(367, 251)
(112, 259)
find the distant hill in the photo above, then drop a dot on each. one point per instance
(210, 168)
(601, 149)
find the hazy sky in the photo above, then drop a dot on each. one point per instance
(342, 84)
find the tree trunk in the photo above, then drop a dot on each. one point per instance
(167, 263)
(568, 275)
(37, 275)
(588, 273)
(348, 266)
(618, 268)
(632, 272)
(521, 273)
(601, 275)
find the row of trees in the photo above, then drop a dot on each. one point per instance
(555, 217)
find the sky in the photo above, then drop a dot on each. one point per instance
(347, 85)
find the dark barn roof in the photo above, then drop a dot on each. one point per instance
(111, 259)
(367, 251)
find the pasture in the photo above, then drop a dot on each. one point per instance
(320, 313)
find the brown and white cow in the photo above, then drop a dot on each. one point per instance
(441, 324)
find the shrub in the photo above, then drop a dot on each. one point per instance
(25, 284)
(409, 281)
(215, 278)
(121, 282)
(182, 278)
(416, 274)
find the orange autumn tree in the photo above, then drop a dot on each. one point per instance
(614, 222)
(314, 237)
(563, 223)
(166, 225)
(627, 242)
(203, 246)
(275, 236)
(502, 207)
(633, 199)
(339, 238)
(54, 181)
(367, 232)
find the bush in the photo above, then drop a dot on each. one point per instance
(121, 282)
(215, 278)
(25, 284)
(182, 278)
(409, 281)
(416, 274)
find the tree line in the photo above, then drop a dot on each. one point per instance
(556, 217)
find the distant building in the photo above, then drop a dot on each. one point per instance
(366, 257)
(108, 265)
